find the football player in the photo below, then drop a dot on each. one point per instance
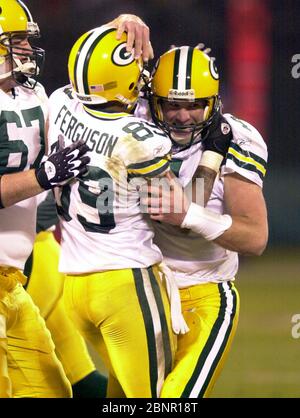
(201, 245)
(44, 279)
(28, 364)
(22, 147)
(113, 290)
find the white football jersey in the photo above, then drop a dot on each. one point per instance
(193, 259)
(102, 224)
(22, 145)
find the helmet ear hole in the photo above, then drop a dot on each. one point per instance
(131, 86)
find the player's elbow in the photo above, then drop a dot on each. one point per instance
(258, 244)
(259, 248)
(262, 240)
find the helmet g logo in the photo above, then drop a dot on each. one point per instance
(120, 56)
(213, 68)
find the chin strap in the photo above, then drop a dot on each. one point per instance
(27, 68)
(178, 322)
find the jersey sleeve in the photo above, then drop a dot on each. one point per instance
(145, 150)
(247, 154)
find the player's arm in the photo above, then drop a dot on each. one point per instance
(56, 170)
(243, 228)
(215, 147)
(166, 196)
(138, 35)
(18, 186)
(245, 203)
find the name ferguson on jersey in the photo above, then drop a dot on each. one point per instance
(100, 142)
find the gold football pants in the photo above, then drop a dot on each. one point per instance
(45, 286)
(211, 312)
(26, 348)
(125, 315)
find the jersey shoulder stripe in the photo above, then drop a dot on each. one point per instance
(245, 165)
(144, 164)
(247, 159)
(150, 168)
(246, 153)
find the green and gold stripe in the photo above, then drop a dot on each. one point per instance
(182, 70)
(83, 57)
(247, 160)
(163, 321)
(211, 354)
(158, 339)
(150, 168)
(88, 58)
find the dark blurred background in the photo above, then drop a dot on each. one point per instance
(254, 42)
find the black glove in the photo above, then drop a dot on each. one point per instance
(218, 136)
(63, 165)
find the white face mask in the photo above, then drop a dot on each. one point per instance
(27, 68)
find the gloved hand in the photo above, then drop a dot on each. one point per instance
(63, 165)
(218, 136)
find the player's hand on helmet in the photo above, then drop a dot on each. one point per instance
(137, 35)
(218, 136)
(63, 165)
(201, 46)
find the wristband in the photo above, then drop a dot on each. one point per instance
(205, 222)
(212, 160)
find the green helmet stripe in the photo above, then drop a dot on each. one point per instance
(76, 60)
(189, 68)
(183, 72)
(176, 69)
(88, 58)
